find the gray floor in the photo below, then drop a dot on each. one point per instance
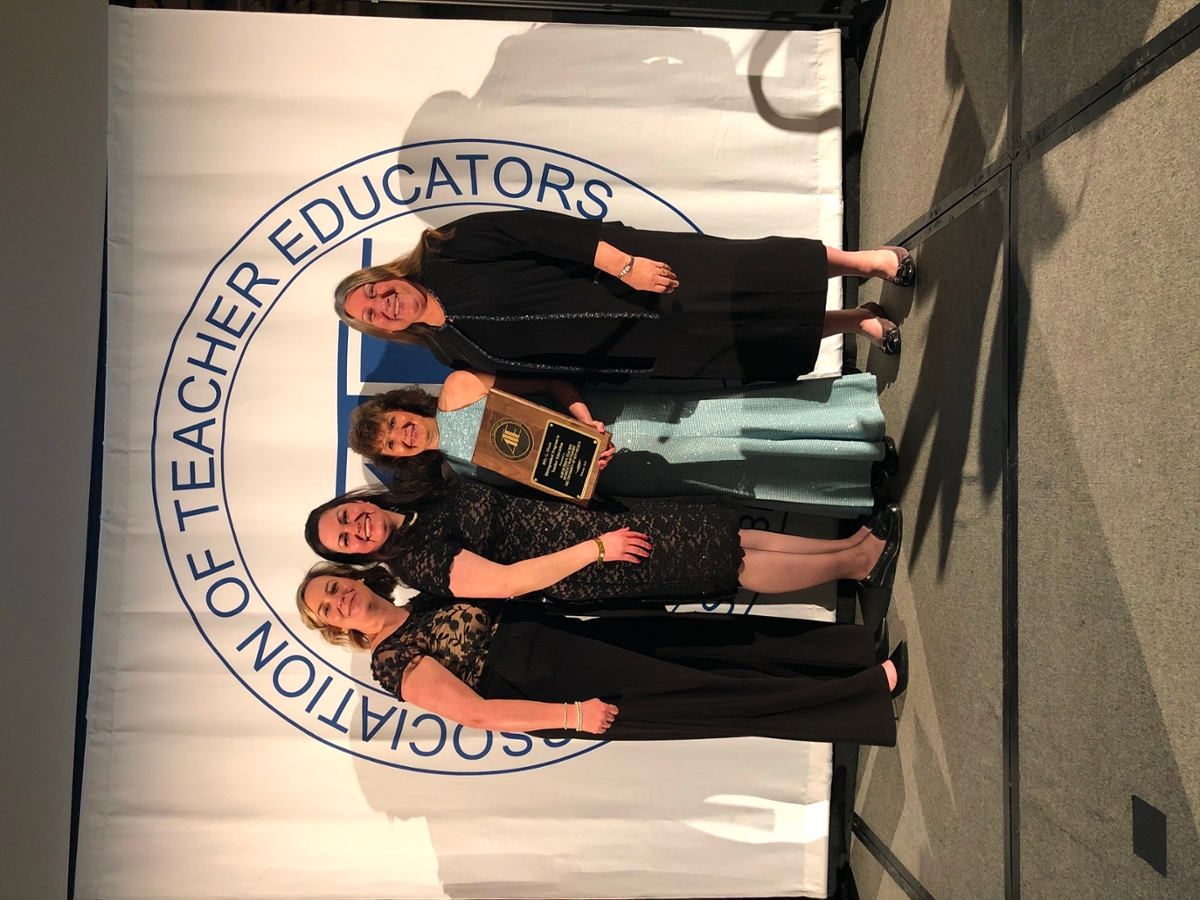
(1108, 474)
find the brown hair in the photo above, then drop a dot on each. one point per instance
(409, 268)
(367, 419)
(377, 578)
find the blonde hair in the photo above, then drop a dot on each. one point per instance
(407, 267)
(374, 577)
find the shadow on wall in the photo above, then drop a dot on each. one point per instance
(562, 84)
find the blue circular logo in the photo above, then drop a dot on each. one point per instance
(318, 230)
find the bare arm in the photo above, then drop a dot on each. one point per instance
(473, 576)
(644, 275)
(431, 686)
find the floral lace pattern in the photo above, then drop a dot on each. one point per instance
(457, 635)
(696, 554)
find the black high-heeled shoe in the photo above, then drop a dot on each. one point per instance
(899, 659)
(906, 270)
(890, 343)
(883, 470)
(890, 529)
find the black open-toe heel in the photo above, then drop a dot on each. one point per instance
(906, 271)
(890, 344)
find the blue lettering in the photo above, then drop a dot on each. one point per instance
(412, 745)
(367, 714)
(471, 159)
(523, 738)
(262, 632)
(350, 206)
(528, 176)
(199, 409)
(320, 692)
(213, 566)
(181, 514)
(463, 753)
(338, 714)
(556, 742)
(587, 189)
(193, 484)
(198, 443)
(273, 237)
(223, 324)
(561, 188)
(434, 181)
(399, 728)
(255, 281)
(312, 675)
(337, 213)
(399, 167)
(213, 344)
(227, 613)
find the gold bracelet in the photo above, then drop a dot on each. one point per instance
(566, 709)
(579, 715)
(600, 544)
(628, 268)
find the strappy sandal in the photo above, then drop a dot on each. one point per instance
(906, 271)
(890, 343)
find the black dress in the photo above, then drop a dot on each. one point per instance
(521, 294)
(697, 550)
(673, 676)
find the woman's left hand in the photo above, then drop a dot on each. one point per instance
(651, 275)
(579, 411)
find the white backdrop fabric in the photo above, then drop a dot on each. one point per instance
(254, 160)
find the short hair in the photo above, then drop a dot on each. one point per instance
(367, 419)
(377, 578)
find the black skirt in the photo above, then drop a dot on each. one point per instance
(679, 676)
(523, 296)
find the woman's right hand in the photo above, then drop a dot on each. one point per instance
(625, 545)
(651, 275)
(597, 716)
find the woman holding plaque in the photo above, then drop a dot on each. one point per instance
(809, 443)
(526, 291)
(472, 540)
(671, 676)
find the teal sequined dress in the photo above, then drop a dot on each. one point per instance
(808, 444)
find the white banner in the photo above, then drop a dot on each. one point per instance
(254, 160)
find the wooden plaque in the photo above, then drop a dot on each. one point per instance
(538, 447)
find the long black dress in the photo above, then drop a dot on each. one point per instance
(672, 676)
(522, 295)
(697, 550)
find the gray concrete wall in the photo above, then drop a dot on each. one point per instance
(53, 59)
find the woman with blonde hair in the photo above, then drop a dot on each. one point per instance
(672, 676)
(527, 291)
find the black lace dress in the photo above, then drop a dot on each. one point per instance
(672, 676)
(457, 635)
(697, 550)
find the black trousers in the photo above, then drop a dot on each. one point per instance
(677, 676)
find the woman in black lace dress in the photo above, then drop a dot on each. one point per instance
(477, 541)
(670, 676)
